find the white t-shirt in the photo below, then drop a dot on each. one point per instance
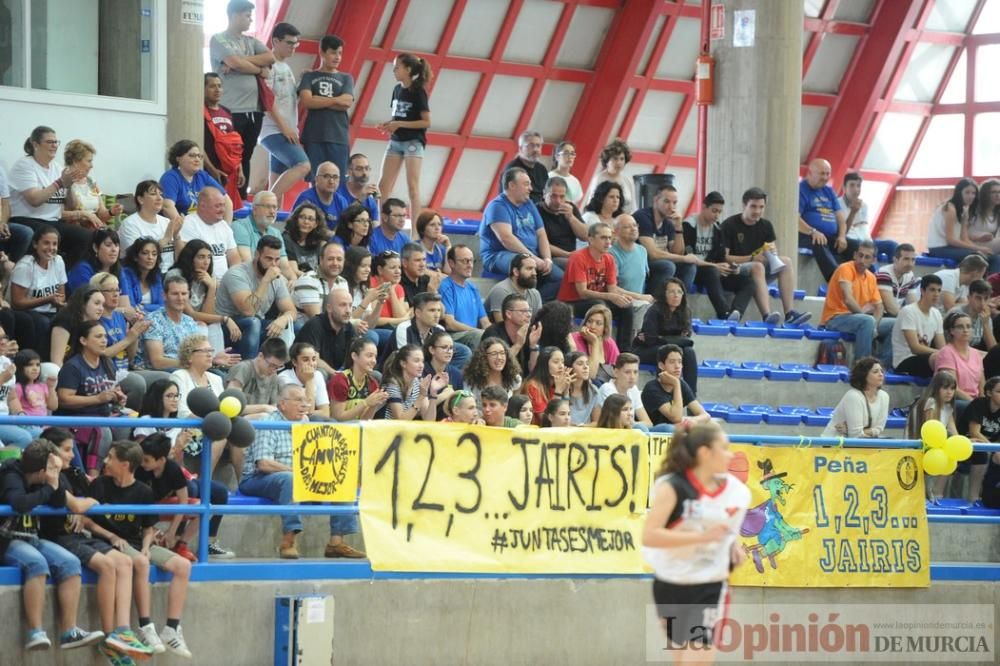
(608, 389)
(7, 388)
(186, 384)
(40, 282)
(219, 236)
(949, 283)
(912, 318)
(282, 82)
(4, 186)
(936, 236)
(134, 227)
(28, 174)
(319, 386)
(859, 225)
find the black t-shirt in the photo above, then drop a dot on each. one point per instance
(411, 288)
(167, 484)
(742, 239)
(408, 104)
(979, 411)
(557, 228)
(331, 346)
(76, 483)
(538, 174)
(654, 396)
(126, 525)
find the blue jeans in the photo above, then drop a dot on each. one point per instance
(218, 494)
(548, 285)
(19, 436)
(277, 487)
(16, 245)
(861, 325)
(825, 256)
(661, 270)
(886, 247)
(884, 335)
(249, 343)
(958, 253)
(283, 154)
(38, 557)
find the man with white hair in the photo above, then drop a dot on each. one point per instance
(258, 224)
(529, 156)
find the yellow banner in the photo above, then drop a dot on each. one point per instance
(325, 462)
(833, 518)
(441, 497)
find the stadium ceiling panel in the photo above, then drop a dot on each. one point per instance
(875, 75)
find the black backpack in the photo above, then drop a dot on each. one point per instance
(831, 352)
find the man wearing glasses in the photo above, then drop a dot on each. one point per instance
(323, 193)
(464, 314)
(389, 235)
(249, 230)
(529, 156)
(279, 133)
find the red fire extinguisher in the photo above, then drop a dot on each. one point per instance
(704, 76)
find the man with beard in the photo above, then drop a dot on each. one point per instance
(249, 230)
(247, 292)
(516, 331)
(389, 235)
(311, 289)
(356, 188)
(522, 282)
(529, 153)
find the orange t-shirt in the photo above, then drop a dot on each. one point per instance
(863, 287)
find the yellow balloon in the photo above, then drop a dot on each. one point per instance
(230, 406)
(937, 462)
(950, 469)
(958, 448)
(933, 434)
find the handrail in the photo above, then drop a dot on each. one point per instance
(205, 508)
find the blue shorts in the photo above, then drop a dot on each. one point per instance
(283, 153)
(38, 557)
(411, 148)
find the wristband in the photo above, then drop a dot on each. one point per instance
(534, 349)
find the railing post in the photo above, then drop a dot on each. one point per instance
(205, 483)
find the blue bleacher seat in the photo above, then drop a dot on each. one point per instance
(751, 329)
(718, 409)
(821, 291)
(822, 334)
(746, 373)
(842, 370)
(754, 408)
(896, 422)
(777, 418)
(779, 374)
(796, 410)
(239, 499)
(782, 333)
(460, 227)
(938, 262)
(742, 417)
(708, 371)
(815, 419)
(709, 329)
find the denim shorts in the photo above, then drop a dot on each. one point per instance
(283, 154)
(39, 557)
(411, 148)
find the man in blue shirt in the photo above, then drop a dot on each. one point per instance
(511, 226)
(822, 222)
(389, 235)
(323, 193)
(464, 315)
(356, 188)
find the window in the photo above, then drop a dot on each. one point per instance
(90, 47)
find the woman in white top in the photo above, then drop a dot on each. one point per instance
(984, 228)
(863, 410)
(614, 157)
(38, 284)
(948, 237)
(565, 157)
(84, 198)
(147, 222)
(39, 188)
(195, 358)
(305, 360)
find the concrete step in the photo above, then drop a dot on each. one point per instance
(774, 393)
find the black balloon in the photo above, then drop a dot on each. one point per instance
(242, 434)
(236, 393)
(201, 401)
(216, 426)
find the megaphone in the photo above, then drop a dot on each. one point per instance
(774, 263)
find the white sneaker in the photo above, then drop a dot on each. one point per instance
(174, 640)
(147, 634)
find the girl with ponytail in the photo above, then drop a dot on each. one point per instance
(411, 116)
(691, 536)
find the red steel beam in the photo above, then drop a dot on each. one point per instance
(820, 27)
(839, 139)
(274, 12)
(623, 47)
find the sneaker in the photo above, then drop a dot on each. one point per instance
(793, 318)
(147, 634)
(77, 637)
(126, 642)
(215, 549)
(114, 657)
(174, 640)
(772, 319)
(181, 549)
(343, 550)
(37, 640)
(734, 317)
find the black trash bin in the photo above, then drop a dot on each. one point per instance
(646, 186)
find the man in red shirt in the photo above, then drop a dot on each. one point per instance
(853, 304)
(591, 278)
(223, 144)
